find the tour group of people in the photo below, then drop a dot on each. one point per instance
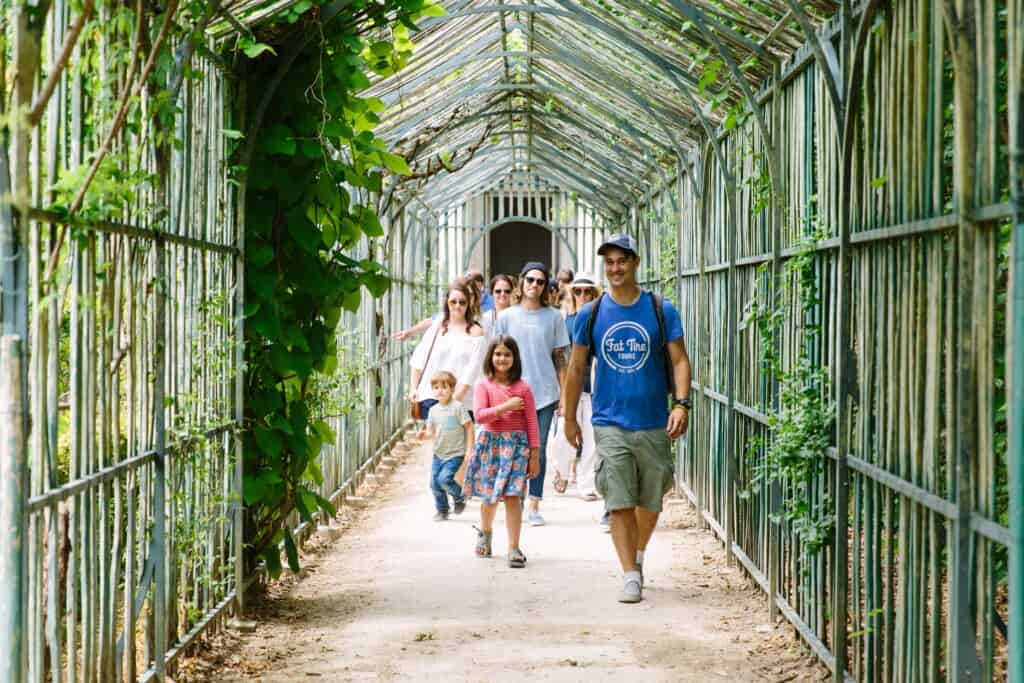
(505, 377)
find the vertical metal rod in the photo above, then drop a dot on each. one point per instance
(13, 471)
(159, 545)
(775, 489)
(237, 533)
(845, 377)
(1015, 349)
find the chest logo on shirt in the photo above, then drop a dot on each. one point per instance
(626, 346)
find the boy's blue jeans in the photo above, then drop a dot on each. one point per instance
(442, 482)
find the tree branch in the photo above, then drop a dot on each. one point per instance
(129, 93)
(39, 106)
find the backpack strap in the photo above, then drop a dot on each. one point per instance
(659, 313)
(591, 321)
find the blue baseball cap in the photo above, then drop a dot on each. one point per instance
(621, 241)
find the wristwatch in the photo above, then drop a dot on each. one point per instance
(684, 402)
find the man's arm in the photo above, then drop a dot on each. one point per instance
(560, 357)
(571, 395)
(679, 419)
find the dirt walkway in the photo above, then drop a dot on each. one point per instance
(401, 598)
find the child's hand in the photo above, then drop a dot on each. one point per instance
(514, 404)
(533, 464)
(423, 434)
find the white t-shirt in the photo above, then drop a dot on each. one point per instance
(459, 354)
(538, 333)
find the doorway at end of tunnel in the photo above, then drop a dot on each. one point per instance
(513, 244)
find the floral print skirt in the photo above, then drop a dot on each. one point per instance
(497, 467)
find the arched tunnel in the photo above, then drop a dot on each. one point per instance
(218, 218)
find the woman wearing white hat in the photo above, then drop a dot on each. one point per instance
(583, 290)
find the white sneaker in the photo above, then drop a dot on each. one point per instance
(632, 588)
(535, 519)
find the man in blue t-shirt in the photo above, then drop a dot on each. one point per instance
(633, 426)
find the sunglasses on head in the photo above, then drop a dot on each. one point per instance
(534, 280)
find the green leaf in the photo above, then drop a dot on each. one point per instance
(250, 308)
(325, 431)
(371, 225)
(395, 163)
(305, 234)
(265, 322)
(253, 489)
(278, 139)
(352, 300)
(262, 283)
(278, 422)
(294, 338)
(376, 284)
(260, 255)
(291, 551)
(325, 505)
(314, 474)
(269, 441)
(252, 49)
(432, 10)
(272, 558)
(232, 134)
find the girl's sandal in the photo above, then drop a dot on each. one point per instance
(516, 559)
(560, 484)
(483, 542)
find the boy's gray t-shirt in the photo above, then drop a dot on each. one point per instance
(449, 424)
(537, 333)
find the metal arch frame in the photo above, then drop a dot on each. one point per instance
(642, 102)
(488, 114)
(825, 56)
(592, 192)
(487, 229)
(602, 156)
(752, 102)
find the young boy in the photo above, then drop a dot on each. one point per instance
(451, 428)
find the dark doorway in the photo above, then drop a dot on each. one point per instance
(513, 244)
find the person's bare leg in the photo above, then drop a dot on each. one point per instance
(513, 520)
(624, 536)
(646, 520)
(487, 512)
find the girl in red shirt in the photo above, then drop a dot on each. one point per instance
(506, 452)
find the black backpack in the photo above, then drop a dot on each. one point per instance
(659, 314)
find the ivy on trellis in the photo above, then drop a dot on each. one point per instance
(800, 430)
(314, 169)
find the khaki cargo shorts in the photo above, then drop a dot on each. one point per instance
(634, 469)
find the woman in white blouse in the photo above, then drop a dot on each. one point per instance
(454, 342)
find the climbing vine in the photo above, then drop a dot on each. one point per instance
(799, 430)
(312, 169)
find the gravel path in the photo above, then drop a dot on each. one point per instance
(401, 598)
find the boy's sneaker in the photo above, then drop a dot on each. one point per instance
(460, 507)
(632, 588)
(441, 516)
(535, 519)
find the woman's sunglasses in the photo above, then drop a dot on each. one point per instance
(534, 280)
(456, 302)
(499, 292)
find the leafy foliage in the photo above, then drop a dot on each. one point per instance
(315, 166)
(800, 429)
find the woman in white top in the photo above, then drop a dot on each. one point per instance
(455, 343)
